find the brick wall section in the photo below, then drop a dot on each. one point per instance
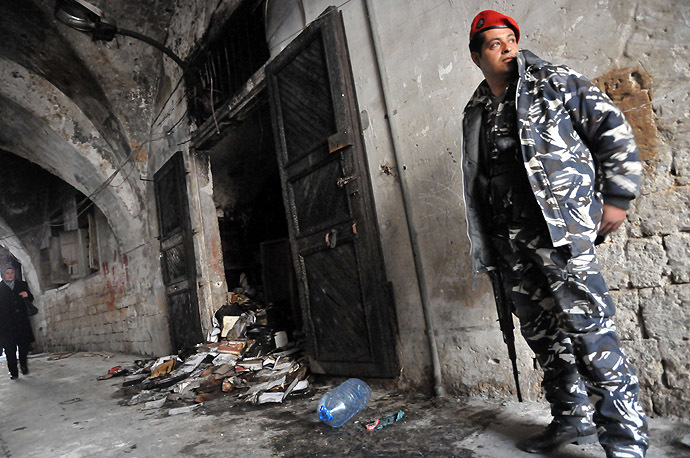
(93, 314)
(112, 309)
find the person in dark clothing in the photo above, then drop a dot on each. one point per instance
(15, 328)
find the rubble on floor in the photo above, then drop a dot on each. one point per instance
(244, 358)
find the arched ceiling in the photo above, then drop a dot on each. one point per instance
(80, 109)
(29, 37)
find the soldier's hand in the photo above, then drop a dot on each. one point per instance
(23, 294)
(612, 219)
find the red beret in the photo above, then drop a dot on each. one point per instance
(491, 19)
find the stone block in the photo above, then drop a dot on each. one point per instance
(662, 213)
(661, 179)
(645, 358)
(93, 300)
(646, 262)
(676, 360)
(681, 163)
(626, 319)
(613, 262)
(678, 253)
(666, 312)
(141, 308)
(671, 402)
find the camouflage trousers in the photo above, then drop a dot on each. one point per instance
(565, 314)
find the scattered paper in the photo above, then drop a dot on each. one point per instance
(228, 322)
(224, 358)
(270, 397)
(157, 404)
(190, 364)
(265, 386)
(185, 409)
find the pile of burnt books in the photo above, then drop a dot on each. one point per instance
(244, 358)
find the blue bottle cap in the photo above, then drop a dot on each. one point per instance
(325, 414)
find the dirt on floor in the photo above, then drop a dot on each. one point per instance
(433, 426)
(62, 409)
(429, 427)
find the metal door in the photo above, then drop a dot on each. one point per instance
(177, 254)
(346, 306)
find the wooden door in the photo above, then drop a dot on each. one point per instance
(346, 303)
(177, 254)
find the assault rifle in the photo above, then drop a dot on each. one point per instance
(505, 320)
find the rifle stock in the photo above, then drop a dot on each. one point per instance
(505, 320)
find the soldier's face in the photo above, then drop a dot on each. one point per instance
(9, 275)
(498, 55)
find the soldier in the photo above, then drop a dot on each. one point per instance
(549, 164)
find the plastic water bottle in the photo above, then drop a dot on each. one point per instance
(343, 402)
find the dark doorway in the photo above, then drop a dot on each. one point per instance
(251, 218)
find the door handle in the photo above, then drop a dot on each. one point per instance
(342, 181)
(331, 237)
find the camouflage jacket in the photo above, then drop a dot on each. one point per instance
(578, 151)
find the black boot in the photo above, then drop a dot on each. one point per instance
(14, 376)
(557, 434)
(25, 368)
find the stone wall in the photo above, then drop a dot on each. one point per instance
(647, 263)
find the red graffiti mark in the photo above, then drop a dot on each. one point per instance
(106, 268)
(114, 255)
(111, 294)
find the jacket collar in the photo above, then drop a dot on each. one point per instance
(481, 96)
(526, 60)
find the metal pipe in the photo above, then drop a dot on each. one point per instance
(414, 242)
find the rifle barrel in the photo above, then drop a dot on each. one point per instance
(505, 319)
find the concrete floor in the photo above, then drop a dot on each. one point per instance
(60, 409)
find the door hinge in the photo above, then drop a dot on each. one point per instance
(339, 140)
